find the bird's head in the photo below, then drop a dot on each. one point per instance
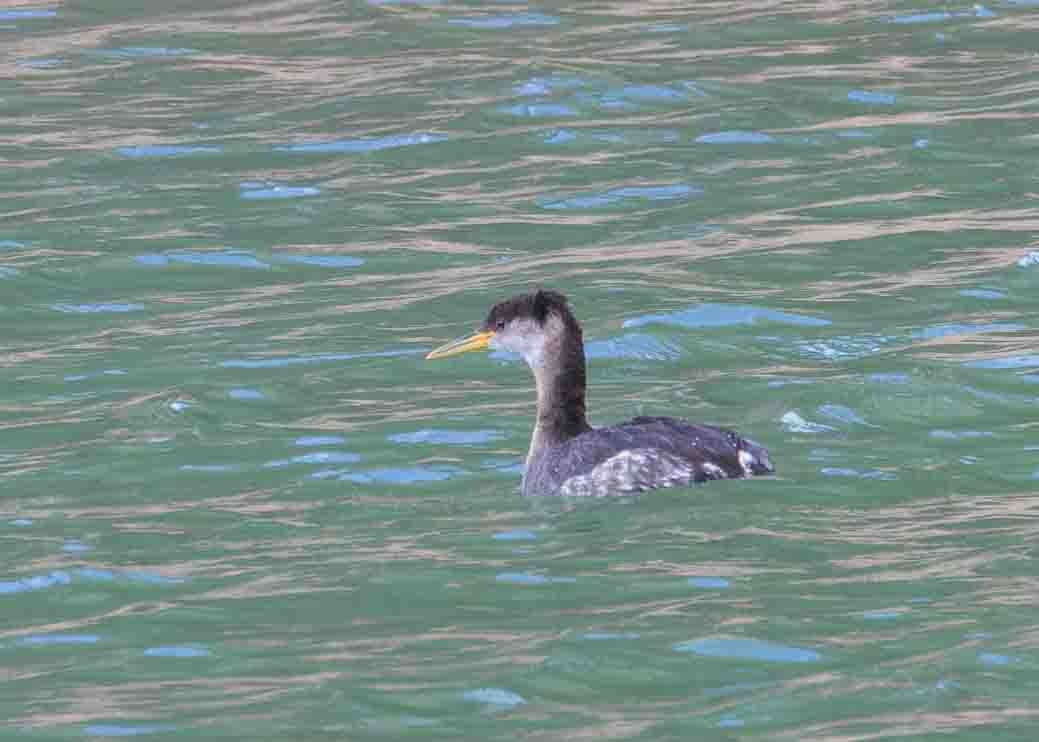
(525, 324)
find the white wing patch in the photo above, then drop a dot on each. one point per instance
(747, 461)
(713, 471)
(632, 471)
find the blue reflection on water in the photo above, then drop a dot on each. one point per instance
(953, 435)
(929, 17)
(494, 697)
(318, 457)
(709, 583)
(125, 730)
(560, 136)
(308, 360)
(146, 52)
(936, 16)
(599, 636)
(109, 308)
(843, 414)
(548, 85)
(890, 378)
(224, 258)
(324, 261)
(401, 475)
(447, 437)
(612, 136)
(792, 422)
(657, 93)
(613, 196)
(867, 96)
(50, 640)
(375, 144)
(880, 615)
(843, 347)
(736, 137)
(508, 20)
(538, 110)
(245, 393)
(831, 471)
(747, 649)
(722, 315)
(1003, 363)
(635, 346)
(36, 582)
(998, 660)
(526, 578)
(274, 191)
(14, 15)
(516, 535)
(167, 150)
(319, 440)
(953, 329)
(984, 293)
(176, 652)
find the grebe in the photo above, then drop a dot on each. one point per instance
(567, 455)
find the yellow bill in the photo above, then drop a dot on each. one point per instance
(479, 341)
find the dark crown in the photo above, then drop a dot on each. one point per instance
(536, 305)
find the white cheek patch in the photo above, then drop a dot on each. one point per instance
(525, 337)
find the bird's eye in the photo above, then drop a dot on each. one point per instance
(499, 325)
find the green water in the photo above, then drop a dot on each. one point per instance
(236, 503)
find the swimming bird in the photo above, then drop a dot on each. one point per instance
(568, 456)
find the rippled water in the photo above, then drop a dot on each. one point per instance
(236, 501)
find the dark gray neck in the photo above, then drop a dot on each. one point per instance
(561, 383)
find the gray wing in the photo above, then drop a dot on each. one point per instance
(644, 453)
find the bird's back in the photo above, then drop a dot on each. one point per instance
(641, 454)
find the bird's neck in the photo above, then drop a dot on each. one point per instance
(560, 379)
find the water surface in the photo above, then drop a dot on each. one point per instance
(235, 501)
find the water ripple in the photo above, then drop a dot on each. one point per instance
(174, 651)
(435, 436)
(625, 195)
(722, 315)
(56, 640)
(125, 730)
(285, 361)
(867, 96)
(635, 346)
(220, 258)
(747, 649)
(167, 150)
(527, 578)
(363, 145)
(20, 13)
(506, 20)
(736, 137)
(495, 697)
(108, 308)
(538, 110)
(275, 191)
